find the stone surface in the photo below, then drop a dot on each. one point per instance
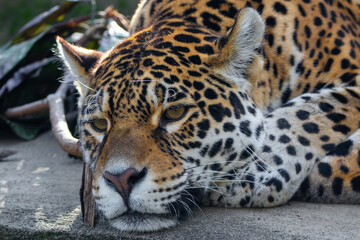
(39, 199)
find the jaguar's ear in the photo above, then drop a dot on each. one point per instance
(238, 58)
(79, 63)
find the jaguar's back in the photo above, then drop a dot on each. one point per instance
(309, 45)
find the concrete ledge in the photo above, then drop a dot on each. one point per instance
(39, 199)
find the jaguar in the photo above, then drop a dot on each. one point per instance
(228, 103)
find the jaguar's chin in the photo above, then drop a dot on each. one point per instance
(178, 210)
(143, 222)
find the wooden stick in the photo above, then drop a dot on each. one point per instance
(86, 197)
(27, 109)
(54, 103)
(58, 123)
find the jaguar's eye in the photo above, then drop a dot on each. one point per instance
(99, 125)
(175, 113)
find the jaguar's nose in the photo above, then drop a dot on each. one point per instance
(125, 181)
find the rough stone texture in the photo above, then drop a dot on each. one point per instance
(39, 199)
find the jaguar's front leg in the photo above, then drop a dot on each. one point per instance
(298, 136)
(336, 177)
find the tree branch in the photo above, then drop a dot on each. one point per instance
(86, 197)
(58, 123)
(54, 103)
(27, 109)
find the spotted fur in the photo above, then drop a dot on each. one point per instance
(271, 107)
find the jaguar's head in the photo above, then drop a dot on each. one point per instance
(165, 114)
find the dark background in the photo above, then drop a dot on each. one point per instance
(16, 13)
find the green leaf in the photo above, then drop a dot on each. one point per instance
(27, 131)
(21, 74)
(30, 83)
(39, 23)
(10, 57)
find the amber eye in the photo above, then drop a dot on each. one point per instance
(99, 125)
(175, 113)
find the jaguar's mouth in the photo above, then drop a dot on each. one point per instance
(135, 221)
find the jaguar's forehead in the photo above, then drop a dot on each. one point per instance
(164, 63)
(169, 46)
